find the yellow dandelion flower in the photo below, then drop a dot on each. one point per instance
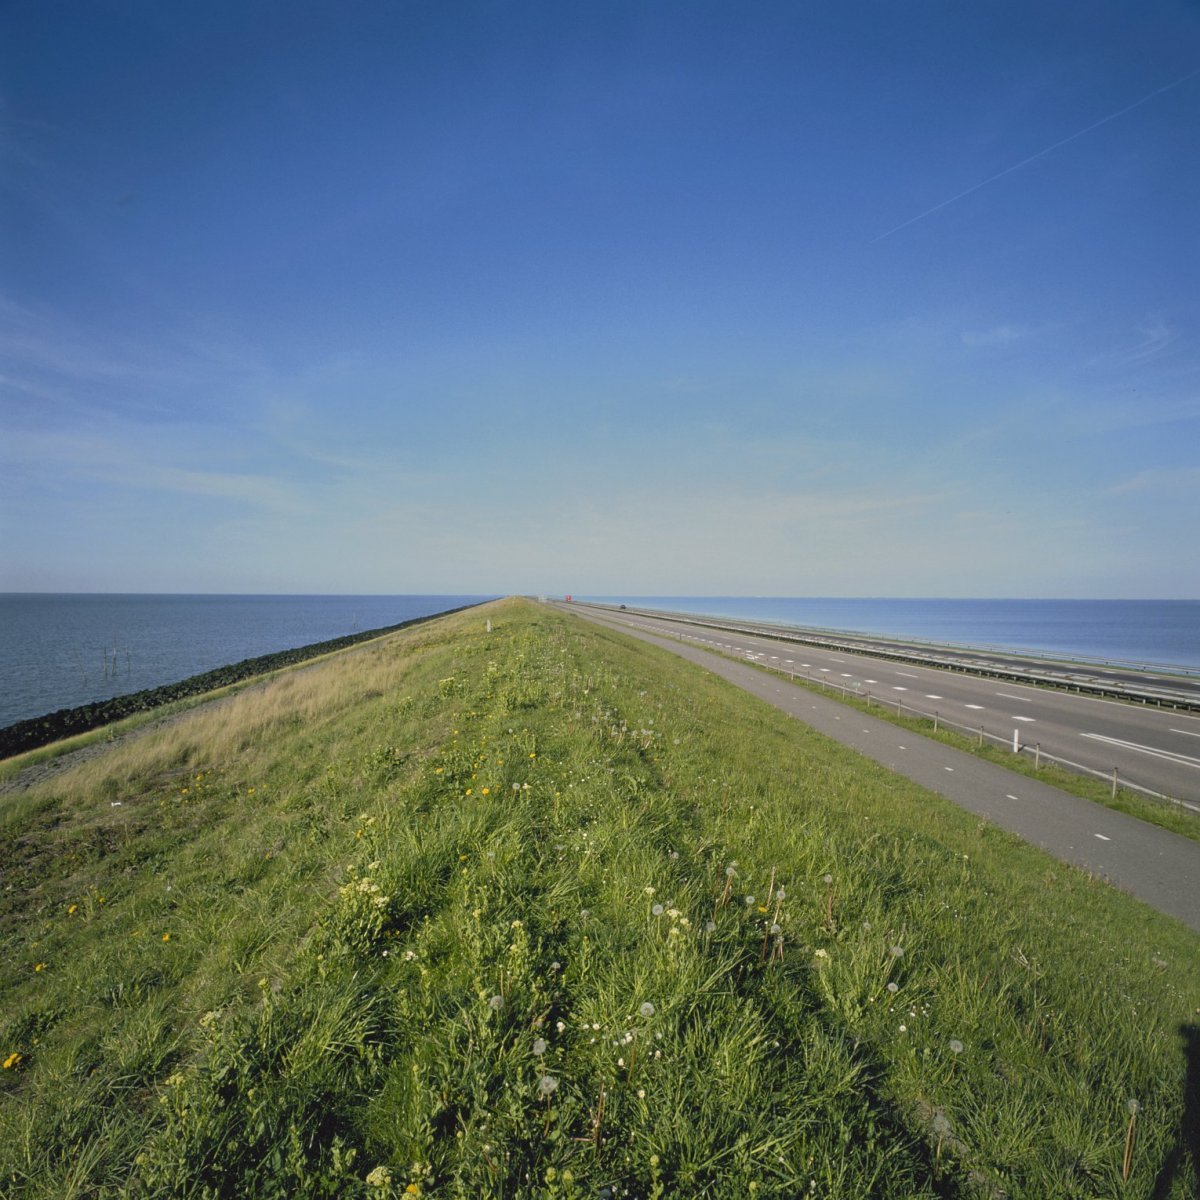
(39, 967)
(71, 910)
(166, 937)
(468, 791)
(13, 1060)
(487, 791)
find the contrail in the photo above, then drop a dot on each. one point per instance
(1040, 154)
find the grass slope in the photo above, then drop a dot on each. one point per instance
(543, 912)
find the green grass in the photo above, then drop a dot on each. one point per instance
(465, 915)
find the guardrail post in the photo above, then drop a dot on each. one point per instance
(1016, 741)
(1114, 795)
(935, 721)
(899, 706)
(1037, 757)
(981, 735)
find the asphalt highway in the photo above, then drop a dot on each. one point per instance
(1158, 867)
(1155, 749)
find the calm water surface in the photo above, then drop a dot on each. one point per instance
(1152, 632)
(59, 651)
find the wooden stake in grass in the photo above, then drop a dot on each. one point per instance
(1130, 1139)
(828, 879)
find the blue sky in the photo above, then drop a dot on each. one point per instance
(655, 298)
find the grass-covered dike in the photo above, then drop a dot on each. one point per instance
(543, 911)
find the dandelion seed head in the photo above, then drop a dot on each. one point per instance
(646, 1009)
(496, 1003)
(539, 1046)
(657, 910)
(749, 901)
(956, 1047)
(1134, 1108)
(893, 988)
(897, 951)
(730, 872)
(828, 878)
(710, 926)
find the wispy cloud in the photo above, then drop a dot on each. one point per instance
(1000, 335)
(1153, 337)
(132, 460)
(1174, 481)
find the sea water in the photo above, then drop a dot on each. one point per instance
(60, 651)
(1144, 632)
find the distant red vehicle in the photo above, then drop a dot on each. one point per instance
(570, 598)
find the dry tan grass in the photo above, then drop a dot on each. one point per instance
(240, 727)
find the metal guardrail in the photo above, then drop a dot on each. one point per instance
(1035, 752)
(1062, 681)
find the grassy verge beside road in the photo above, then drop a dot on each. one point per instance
(544, 910)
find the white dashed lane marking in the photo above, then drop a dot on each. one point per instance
(979, 707)
(1103, 838)
(1023, 699)
(1184, 760)
(1024, 718)
(930, 696)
